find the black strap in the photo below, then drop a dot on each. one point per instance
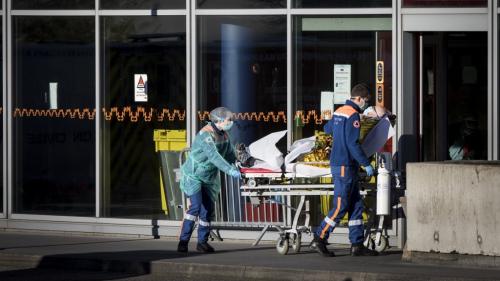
(219, 132)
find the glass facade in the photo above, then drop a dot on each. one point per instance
(242, 65)
(445, 3)
(322, 46)
(53, 100)
(240, 4)
(455, 96)
(135, 49)
(53, 4)
(342, 3)
(2, 112)
(156, 71)
(142, 4)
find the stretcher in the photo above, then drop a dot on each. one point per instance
(261, 185)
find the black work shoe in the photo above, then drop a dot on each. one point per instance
(319, 245)
(204, 247)
(361, 250)
(182, 247)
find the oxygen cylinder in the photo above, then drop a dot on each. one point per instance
(383, 191)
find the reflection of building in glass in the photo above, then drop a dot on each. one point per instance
(155, 46)
(237, 60)
(54, 158)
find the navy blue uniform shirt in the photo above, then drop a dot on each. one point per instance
(344, 128)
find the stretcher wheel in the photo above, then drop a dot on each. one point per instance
(252, 183)
(282, 245)
(296, 242)
(370, 242)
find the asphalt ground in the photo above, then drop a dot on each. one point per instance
(25, 254)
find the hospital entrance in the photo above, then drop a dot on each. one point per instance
(450, 95)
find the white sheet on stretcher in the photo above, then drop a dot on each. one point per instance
(307, 171)
(300, 147)
(269, 157)
(265, 150)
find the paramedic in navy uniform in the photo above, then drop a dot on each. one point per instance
(345, 159)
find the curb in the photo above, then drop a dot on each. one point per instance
(19, 260)
(197, 271)
(461, 260)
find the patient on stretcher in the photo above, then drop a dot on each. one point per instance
(309, 157)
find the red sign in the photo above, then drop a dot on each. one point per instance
(141, 83)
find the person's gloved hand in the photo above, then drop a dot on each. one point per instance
(235, 173)
(369, 170)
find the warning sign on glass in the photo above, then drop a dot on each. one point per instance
(140, 87)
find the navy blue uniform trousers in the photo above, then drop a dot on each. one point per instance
(201, 207)
(346, 199)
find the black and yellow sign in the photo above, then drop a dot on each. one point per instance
(380, 71)
(380, 94)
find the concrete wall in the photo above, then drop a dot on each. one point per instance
(454, 207)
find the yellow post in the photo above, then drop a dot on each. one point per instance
(164, 205)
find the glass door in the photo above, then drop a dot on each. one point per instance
(452, 95)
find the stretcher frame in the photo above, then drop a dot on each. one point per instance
(292, 236)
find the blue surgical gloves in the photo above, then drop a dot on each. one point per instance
(369, 170)
(235, 173)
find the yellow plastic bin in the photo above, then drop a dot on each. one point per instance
(169, 140)
(168, 144)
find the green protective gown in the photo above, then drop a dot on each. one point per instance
(210, 153)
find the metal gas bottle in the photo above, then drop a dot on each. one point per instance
(383, 191)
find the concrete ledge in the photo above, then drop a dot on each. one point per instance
(451, 259)
(454, 207)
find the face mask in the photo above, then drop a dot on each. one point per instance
(467, 132)
(227, 126)
(362, 104)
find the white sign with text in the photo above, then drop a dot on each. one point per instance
(140, 87)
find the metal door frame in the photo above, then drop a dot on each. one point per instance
(416, 20)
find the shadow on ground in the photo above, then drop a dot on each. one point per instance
(102, 265)
(72, 244)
